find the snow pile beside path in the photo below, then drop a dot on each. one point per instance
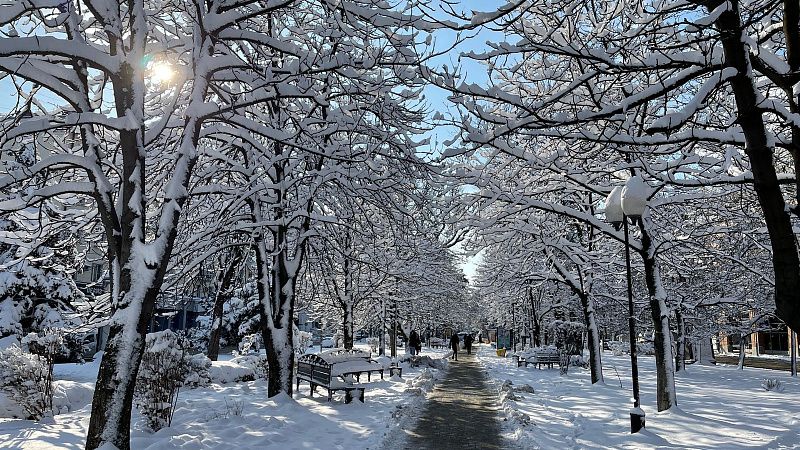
(507, 396)
(224, 372)
(70, 395)
(9, 408)
(422, 384)
(423, 361)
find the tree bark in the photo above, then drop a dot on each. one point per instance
(223, 294)
(535, 329)
(347, 310)
(680, 346)
(742, 346)
(276, 307)
(112, 401)
(666, 396)
(593, 338)
(785, 261)
(347, 301)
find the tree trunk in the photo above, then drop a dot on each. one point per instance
(223, 294)
(703, 352)
(666, 396)
(348, 325)
(382, 327)
(742, 346)
(347, 302)
(535, 330)
(132, 303)
(785, 261)
(276, 286)
(593, 338)
(680, 346)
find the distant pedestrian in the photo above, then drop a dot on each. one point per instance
(468, 343)
(414, 343)
(454, 345)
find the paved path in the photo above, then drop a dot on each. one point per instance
(461, 412)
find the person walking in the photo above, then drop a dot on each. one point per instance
(414, 343)
(468, 343)
(454, 345)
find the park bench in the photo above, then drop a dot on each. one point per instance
(352, 362)
(540, 358)
(547, 358)
(438, 343)
(318, 372)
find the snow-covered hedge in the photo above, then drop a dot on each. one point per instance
(24, 379)
(166, 366)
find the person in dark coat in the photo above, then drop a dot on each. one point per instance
(468, 343)
(414, 343)
(454, 345)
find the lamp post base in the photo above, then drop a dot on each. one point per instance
(637, 420)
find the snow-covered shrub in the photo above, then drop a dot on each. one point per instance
(165, 367)
(772, 384)
(258, 363)
(24, 379)
(579, 361)
(37, 291)
(645, 348)
(197, 336)
(568, 337)
(233, 408)
(250, 343)
(373, 343)
(197, 371)
(302, 340)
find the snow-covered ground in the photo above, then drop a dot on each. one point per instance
(236, 416)
(719, 407)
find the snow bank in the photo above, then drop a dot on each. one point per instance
(224, 372)
(720, 407)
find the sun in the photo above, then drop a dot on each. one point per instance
(161, 72)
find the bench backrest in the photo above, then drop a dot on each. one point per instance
(314, 368)
(337, 356)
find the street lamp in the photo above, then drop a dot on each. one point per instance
(625, 203)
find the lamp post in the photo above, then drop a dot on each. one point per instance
(625, 203)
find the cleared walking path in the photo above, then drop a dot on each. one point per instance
(461, 412)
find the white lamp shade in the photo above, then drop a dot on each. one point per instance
(634, 196)
(614, 206)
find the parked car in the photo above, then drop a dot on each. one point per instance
(327, 342)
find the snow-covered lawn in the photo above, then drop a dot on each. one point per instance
(719, 407)
(236, 416)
